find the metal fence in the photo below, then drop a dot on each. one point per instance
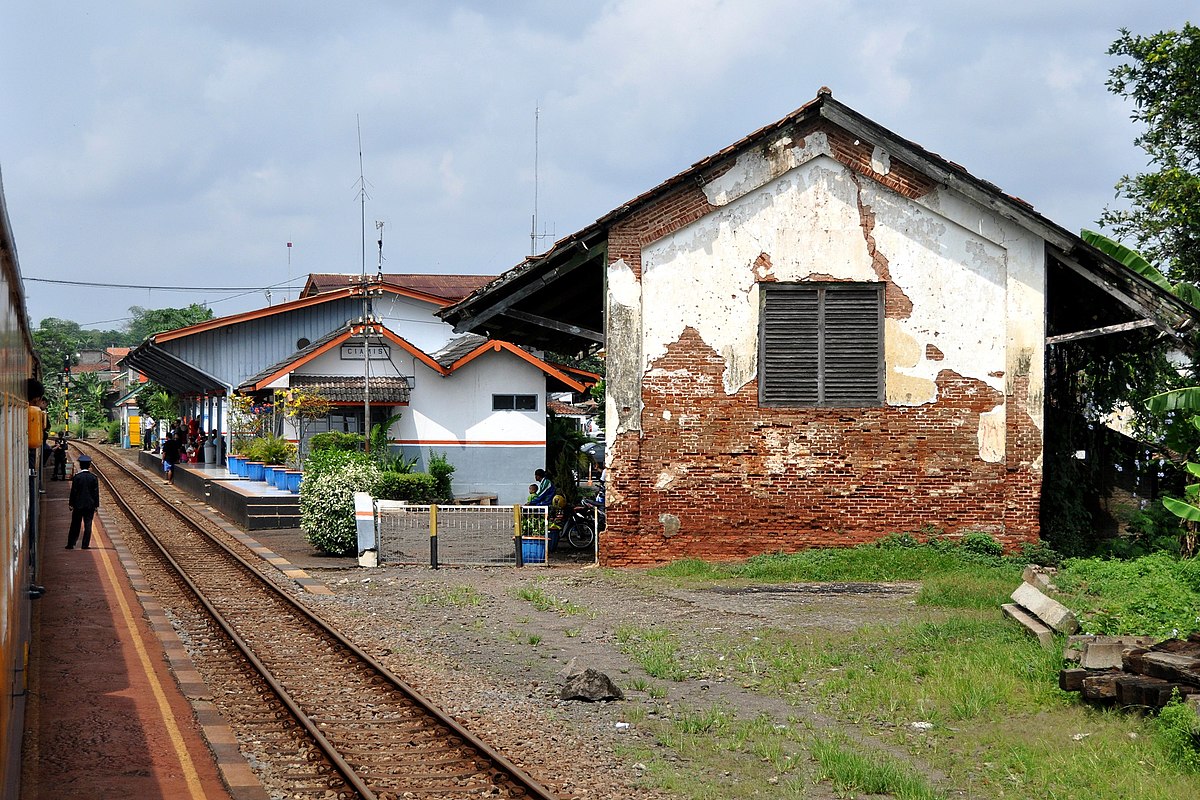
(460, 535)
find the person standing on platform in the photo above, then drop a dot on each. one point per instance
(172, 450)
(37, 421)
(60, 461)
(84, 500)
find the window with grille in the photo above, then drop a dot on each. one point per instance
(821, 344)
(514, 402)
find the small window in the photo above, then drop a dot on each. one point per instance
(514, 402)
(821, 344)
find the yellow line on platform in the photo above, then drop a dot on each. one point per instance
(185, 758)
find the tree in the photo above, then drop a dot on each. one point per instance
(1162, 77)
(149, 321)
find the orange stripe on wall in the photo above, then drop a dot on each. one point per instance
(471, 443)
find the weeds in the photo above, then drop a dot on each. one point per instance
(456, 596)
(544, 601)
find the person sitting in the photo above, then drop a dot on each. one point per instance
(544, 494)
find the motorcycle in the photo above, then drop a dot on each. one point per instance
(579, 529)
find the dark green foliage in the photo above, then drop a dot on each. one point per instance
(112, 434)
(981, 543)
(411, 487)
(149, 321)
(1154, 595)
(441, 470)
(1163, 217)
(335, 440)
(1151, 529)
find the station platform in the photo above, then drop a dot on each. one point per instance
(116, 709)
(251, 505)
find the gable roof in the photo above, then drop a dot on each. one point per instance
(555, 300)
(441, 289)
(455, 355)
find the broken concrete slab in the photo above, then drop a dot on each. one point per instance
(1036, 628)
(1041, 577)
(1108, 648)
(1047, 609)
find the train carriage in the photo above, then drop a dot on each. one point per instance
(18, 508)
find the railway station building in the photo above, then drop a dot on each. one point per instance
(374, 345)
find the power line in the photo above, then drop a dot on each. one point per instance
(163, 288)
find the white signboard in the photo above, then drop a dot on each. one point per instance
(354, 352)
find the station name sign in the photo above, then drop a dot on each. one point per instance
(354, 352)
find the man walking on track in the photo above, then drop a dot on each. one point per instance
(84, 500)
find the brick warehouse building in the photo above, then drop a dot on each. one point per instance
(818, 336)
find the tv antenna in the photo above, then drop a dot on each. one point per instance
(362, 196)
(534, 236)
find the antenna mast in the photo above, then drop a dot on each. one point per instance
(362, 195)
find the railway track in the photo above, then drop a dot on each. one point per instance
(326, 719)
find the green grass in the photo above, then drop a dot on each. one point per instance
(1000, 727)
(655, 650)
(853, 772)
(455, 596)
(542, 600)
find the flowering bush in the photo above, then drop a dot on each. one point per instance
(327, 498)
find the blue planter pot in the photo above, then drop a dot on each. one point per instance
(293, 478)
(254, 470)
(231, 463)
(533, 550)
(269, 473)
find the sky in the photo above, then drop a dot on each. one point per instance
(184, 144)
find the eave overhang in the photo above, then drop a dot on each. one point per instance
(168, 370)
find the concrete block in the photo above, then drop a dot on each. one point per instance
(1041, 577)
(1043, 634)
(1048, 610)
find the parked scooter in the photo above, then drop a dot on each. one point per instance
(579, 529)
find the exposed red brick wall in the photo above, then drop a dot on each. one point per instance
(855, 475)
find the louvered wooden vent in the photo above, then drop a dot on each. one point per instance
(821, 344)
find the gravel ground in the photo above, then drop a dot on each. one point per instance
(462, 637)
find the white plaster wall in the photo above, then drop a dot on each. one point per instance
(958, 264)
(458, 407)
(413, 320)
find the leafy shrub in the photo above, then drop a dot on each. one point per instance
(441, 470)
(335, 440)
(898, 540)
(1040, 553)
(327, 500)
(981, 543)
(112, 433)
(411, 487)
(1177, 732)
(332, 460)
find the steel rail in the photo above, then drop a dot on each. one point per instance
(518, 775)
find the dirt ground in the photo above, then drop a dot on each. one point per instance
(469, 622)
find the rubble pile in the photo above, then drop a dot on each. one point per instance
(1130, 671)
(1133, 671)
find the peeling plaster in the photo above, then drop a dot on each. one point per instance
(788, 212)
(992, 435)
(623, 344)
(668, 476)
(881, 162)
(670, 524)
(756, 167)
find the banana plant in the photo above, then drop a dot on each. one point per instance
(1187, 508)
(1184, 290)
